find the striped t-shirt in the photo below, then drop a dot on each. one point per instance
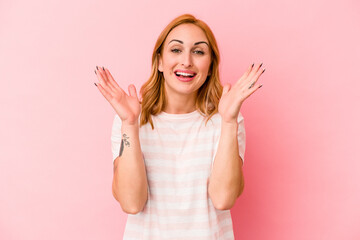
(178, 156)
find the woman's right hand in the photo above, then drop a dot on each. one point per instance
(126, 106)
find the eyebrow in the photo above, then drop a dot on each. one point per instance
(197, 43)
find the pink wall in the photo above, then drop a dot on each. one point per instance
(302, 156)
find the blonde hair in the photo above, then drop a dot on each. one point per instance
(153, 91)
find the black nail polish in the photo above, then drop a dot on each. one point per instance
(95, 84)
(97, 68)
(95, 71)
(252, 65)
(103, 68)
(263, 70)
(261, 65)
(260, 86)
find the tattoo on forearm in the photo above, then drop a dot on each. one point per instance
(124, 141)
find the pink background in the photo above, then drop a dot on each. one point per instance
(302, 157)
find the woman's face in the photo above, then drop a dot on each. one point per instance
(185, 60)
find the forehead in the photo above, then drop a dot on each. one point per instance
(187, 32)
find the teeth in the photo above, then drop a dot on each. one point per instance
(184, 74)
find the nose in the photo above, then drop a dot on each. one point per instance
(187, 61)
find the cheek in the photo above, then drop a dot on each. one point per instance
(204, 65)
(169, 61)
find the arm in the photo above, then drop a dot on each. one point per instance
(129, 184)
(226, 181)
(130, 181)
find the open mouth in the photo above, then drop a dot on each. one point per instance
(185, 76)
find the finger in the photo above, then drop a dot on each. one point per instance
(132, 91)
(253, 89)
(226, 88)
(245, 75)
(254, 71)
(111, 79)
(101, 71)
(103, 81)
(102, 78)
(249, 70)
(257, 75)
(252, 79)
(104, 92)
(252, 84)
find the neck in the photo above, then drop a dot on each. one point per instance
(179, 104)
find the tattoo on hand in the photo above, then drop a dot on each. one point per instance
(124, 141)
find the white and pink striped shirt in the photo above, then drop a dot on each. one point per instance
(179, 155)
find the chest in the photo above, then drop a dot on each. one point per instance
(179, 154)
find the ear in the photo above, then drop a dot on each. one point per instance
(160, 66)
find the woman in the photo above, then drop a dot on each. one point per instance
(178, 153)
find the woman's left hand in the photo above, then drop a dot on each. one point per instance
(233, 96)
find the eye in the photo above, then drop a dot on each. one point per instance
(199, 52)
(175, 50)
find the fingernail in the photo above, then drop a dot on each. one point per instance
(252, 65)
(103, 68)
(263, 70)
(260, 86)
(97, 68)
(95, 84)
(261, 65)
(95, 71)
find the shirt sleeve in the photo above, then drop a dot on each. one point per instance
(241, 136)
(116, 137)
